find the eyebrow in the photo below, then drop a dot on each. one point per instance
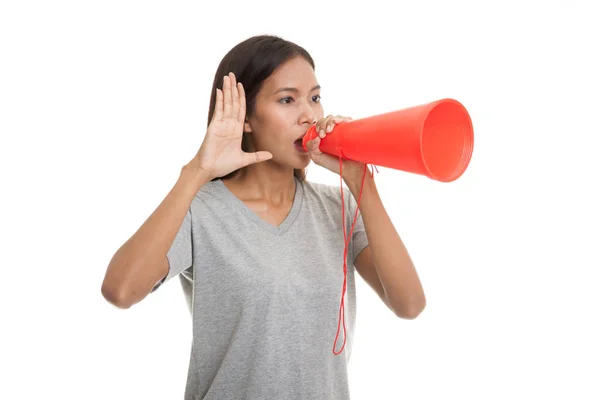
(291, 89)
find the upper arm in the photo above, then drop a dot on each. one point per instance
(164, 271)
(179, 257)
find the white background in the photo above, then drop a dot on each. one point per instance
(101, 103)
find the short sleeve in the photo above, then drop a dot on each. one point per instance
(359, 236)
(180, 253)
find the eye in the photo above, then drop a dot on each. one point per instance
(316, 98)
(286, 100)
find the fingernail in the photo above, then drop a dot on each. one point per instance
(329, 127)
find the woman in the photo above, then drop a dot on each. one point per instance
(260, 251)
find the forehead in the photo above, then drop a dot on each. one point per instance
(295, 73)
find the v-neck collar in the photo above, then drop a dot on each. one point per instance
(235, 202)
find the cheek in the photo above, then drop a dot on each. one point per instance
(276, 128)
(274, 118)
(282, 118)
(273, 132)
(319, 113)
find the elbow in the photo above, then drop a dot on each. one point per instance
(120, 289)
(410, 314)
(411, 311)
(115, 296)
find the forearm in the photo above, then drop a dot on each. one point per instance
(140, 262)
(397, 273)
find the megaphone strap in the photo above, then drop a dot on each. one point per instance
(347, 238)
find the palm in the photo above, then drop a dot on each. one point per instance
(221, 151)
(224, 150)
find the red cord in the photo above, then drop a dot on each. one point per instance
(347, 238)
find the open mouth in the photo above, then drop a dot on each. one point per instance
(298, 145)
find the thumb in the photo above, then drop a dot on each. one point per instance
(259, 156)
(313, 145)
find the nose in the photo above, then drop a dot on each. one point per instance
(307, 116)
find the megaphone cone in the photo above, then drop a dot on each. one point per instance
(434, 140)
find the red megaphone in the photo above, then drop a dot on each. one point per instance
(434, 140)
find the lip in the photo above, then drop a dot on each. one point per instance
(300, 147)
(301, 136)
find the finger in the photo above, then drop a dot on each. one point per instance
(226, 97)
(313, 146)
(339, 118)
(259, 156)
(242, 95)
(235, 101)
(330, 123)
(319, 125)
(322, 126)
(218, 114)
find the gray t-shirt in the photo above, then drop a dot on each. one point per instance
(265, 300)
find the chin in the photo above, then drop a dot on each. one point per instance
(298, 165)
(297, 160)
(291, 158)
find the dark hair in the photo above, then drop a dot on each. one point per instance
(253, 61)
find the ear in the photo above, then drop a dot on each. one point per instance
(247, 127)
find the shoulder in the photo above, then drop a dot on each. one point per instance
(327, 193)
(212, 194)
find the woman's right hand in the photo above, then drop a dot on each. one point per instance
(221, 151)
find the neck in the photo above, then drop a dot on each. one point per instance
(267, 181)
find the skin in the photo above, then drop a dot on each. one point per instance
(267, 188)
(266, 185)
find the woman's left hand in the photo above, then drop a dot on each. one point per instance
(350, 169)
